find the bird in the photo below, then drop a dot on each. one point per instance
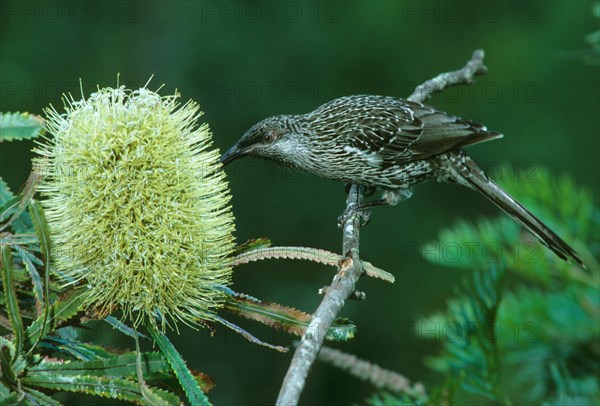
(386, 143)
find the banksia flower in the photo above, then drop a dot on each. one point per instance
(137, 205)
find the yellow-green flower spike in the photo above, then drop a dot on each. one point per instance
(137, 205)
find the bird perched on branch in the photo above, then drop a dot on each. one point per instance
(387, 143)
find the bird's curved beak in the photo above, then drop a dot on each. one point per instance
(233, 153)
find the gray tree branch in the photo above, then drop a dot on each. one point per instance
(350, 268)
(340, 289)
(465, 75)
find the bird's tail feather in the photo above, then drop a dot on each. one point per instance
(475, 178)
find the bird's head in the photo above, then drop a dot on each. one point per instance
(278, 138)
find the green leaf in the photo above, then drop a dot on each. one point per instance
(76, 349)
(20, 126)
(147, 393)
(284, 318)
(39, 398)
(36, 280)
(123, 328)
(186, 379)
(7, 353)
(251, 245)
(9, 204)
(18, 239)
(154, 365)
(10, 296)
(41, 227)
(63, 309)
(107, 387)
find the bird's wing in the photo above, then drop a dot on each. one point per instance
(441, 132)
(388, 130)
(373, 127)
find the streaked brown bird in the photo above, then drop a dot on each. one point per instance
(388, 143)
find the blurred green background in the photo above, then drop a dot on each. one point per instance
(246, 61)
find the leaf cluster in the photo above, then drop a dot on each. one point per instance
(524, 328)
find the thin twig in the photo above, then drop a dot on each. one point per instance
(458, 77)
(351, 268)
(379, 377)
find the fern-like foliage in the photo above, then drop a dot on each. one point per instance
(542, 335)
(525, 327)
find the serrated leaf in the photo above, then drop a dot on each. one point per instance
(22, 251)
(122, 327)
(186, 379)
(5, 193)
(41, 228)
(36, 280)
(39, 398)
(251, 245)
(7, 353)
(10, 297)
(11, 398)
(76, 349)
(284, 318)
(106, 387)
(9, 205)
(305, 253)
(20, 126)
(124, 366)
(18, 239)
(63, 309)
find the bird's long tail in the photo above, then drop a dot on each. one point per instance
(466, 172)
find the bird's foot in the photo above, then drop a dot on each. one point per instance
(367, 191)
(352, 209)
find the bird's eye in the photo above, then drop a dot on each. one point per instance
(270, 136)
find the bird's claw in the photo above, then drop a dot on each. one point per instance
(364, 216)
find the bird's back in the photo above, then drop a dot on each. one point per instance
(395, 129)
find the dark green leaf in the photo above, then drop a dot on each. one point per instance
(12, 210)
(123, 328)
(38, 286)
(39, 398)
(65, 308)
(10, 296)
(11, 399)
(41, 227)
(282, 317)
(107, 387)
(7, 353)
(186, 379)
(124, 366)
(75, 349)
